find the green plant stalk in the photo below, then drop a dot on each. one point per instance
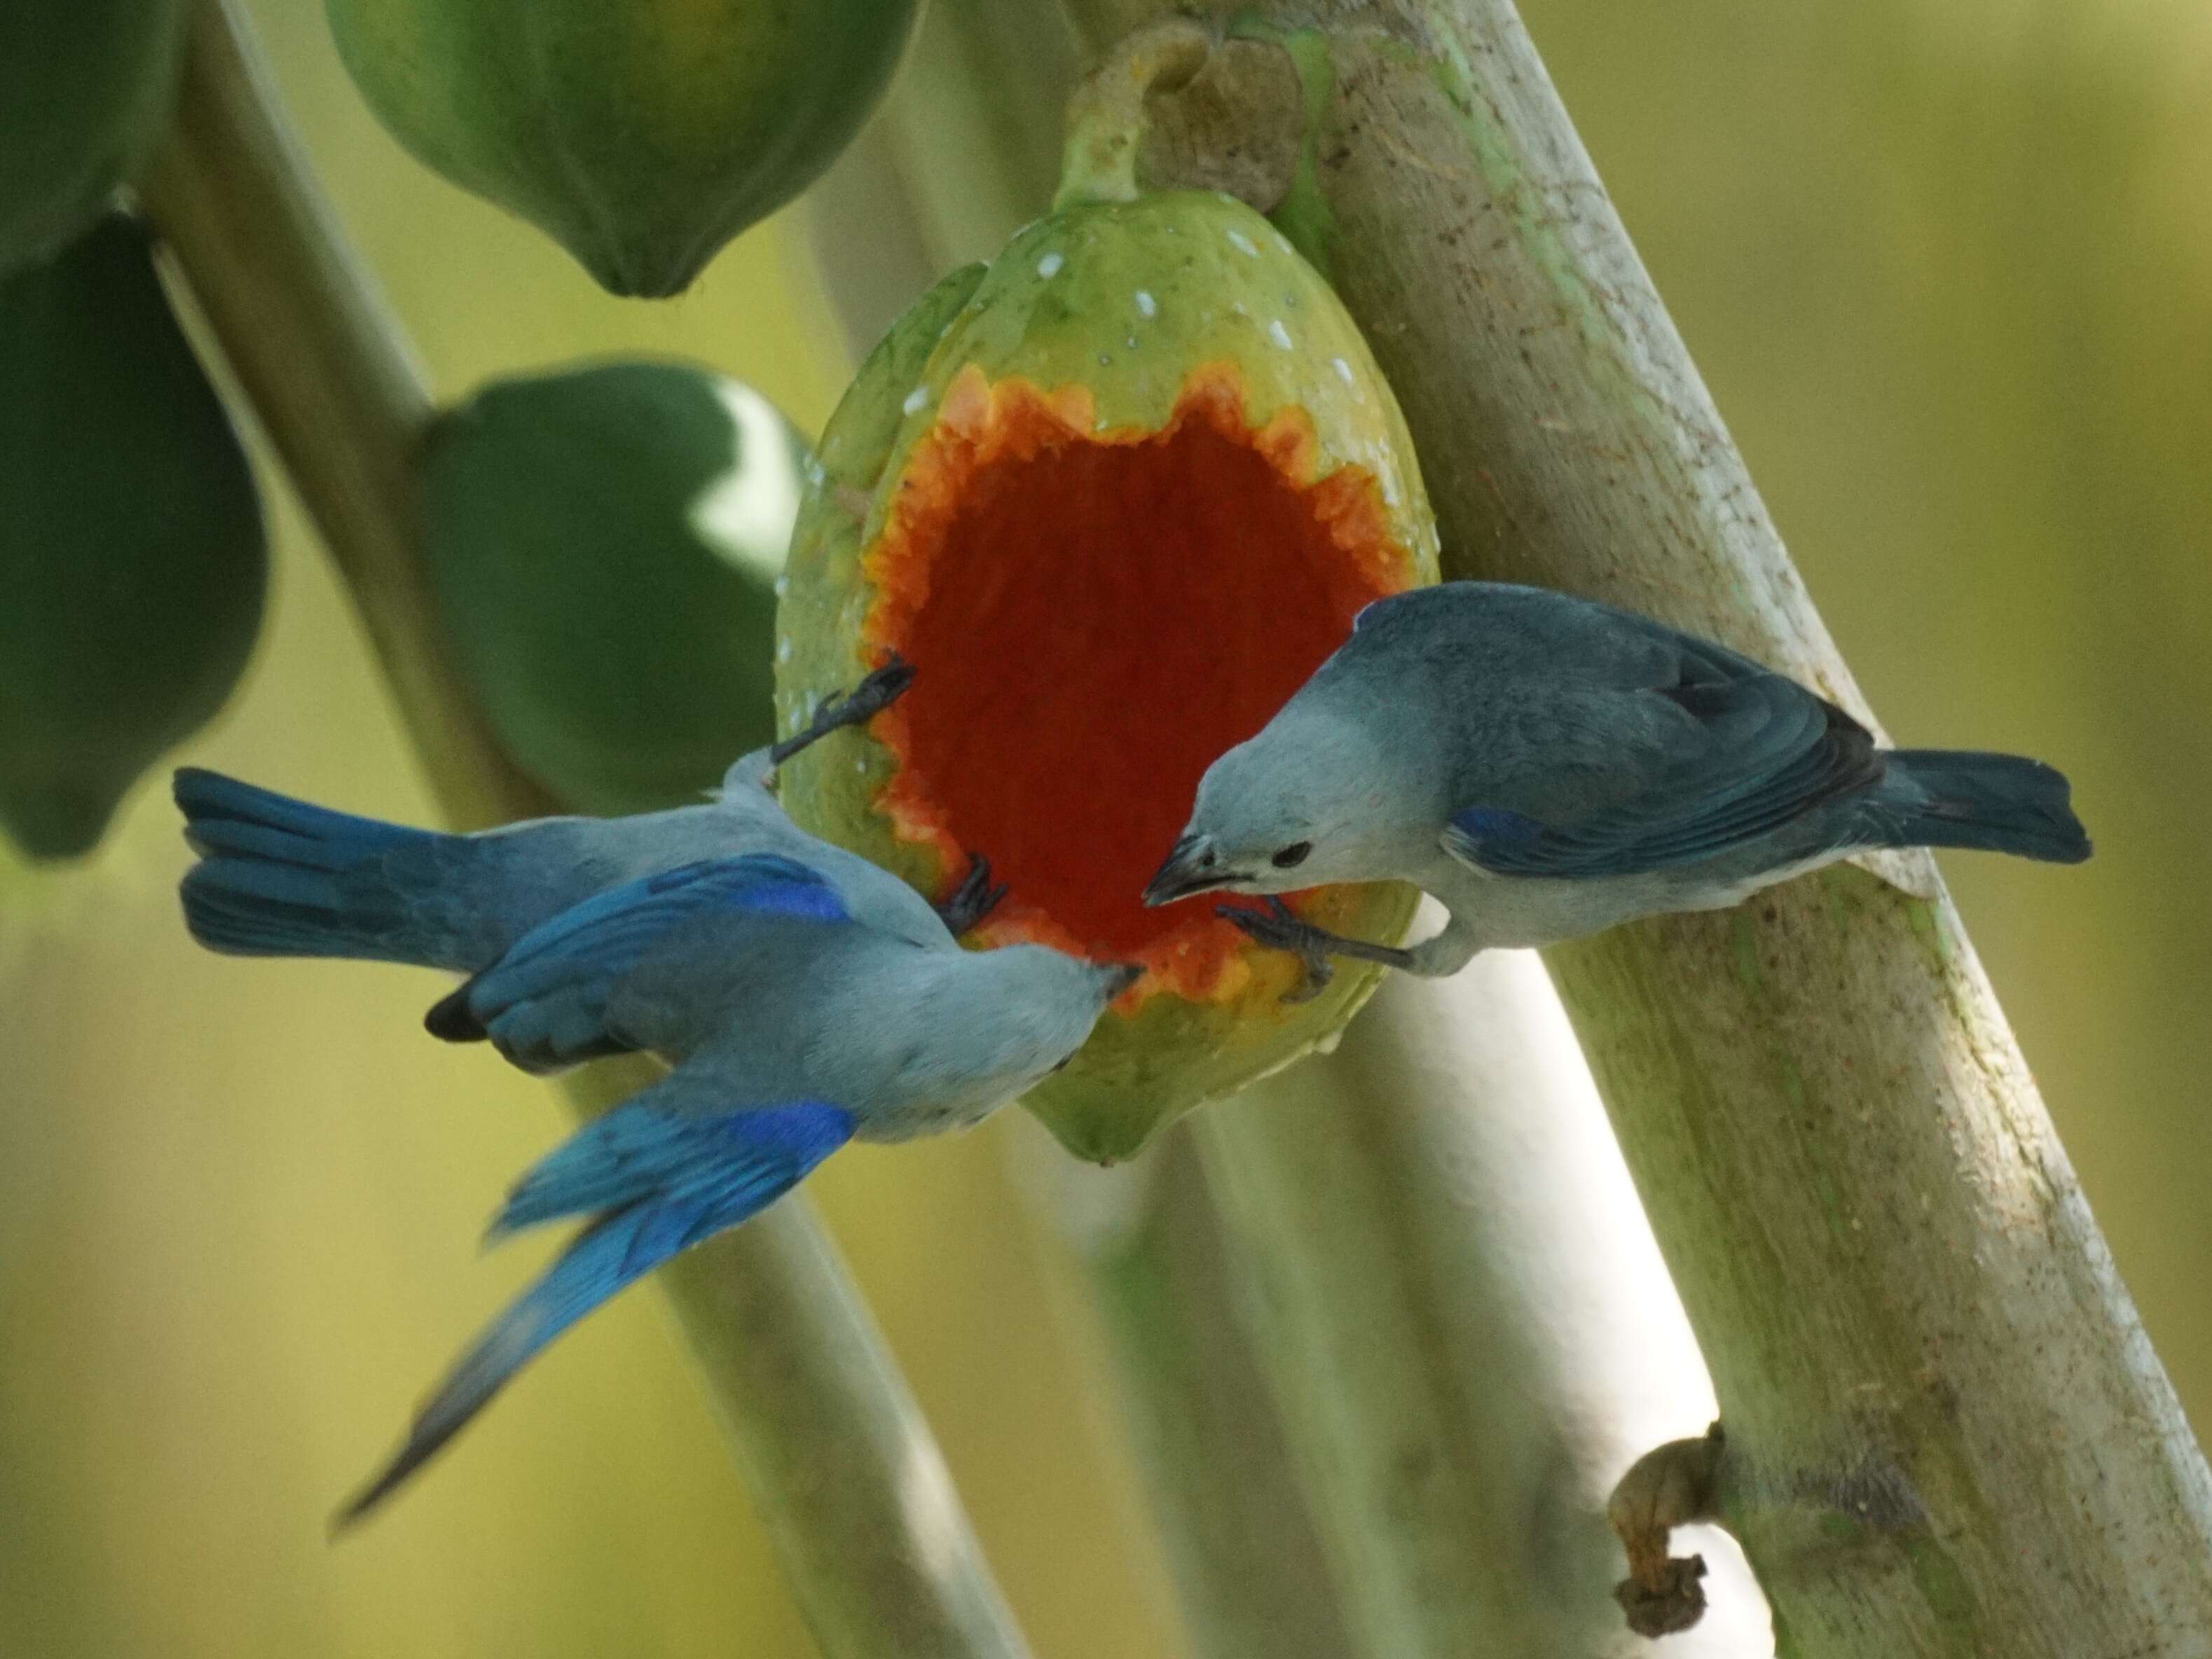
(915, 197)
(1156, 1299)
(854, 1491)
(1946, 1434)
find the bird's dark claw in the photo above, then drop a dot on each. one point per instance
(975, 898)
(874, 694)
(1277, 929)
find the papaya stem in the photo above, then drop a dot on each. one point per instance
(852, 1487)
(1106, 117)
(330, 377)
(1669, 1487)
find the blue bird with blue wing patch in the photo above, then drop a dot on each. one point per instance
(804, 997)
(794, 1025)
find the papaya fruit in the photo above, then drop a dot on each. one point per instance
(86, 87)
(639, 134)
(132, 558)
(603, 543)
(1115, 499)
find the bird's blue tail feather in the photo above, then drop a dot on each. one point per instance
(279, 877)
(1962, 798)
(661, 1180)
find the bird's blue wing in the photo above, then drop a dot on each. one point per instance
(658, 1178)
(545, 1002)
(1767, 752)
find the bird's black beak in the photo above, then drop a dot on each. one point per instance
(1120, 976)
(1193, 867)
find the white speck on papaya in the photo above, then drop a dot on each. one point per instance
(1279, 334)
(783, 585)
(861, 766)
(815, 475)
(783, 649)
(1243, 244)
(1147, 307)
(1343, 370)
(916, 400)
(1049, 267)
(1105, 360)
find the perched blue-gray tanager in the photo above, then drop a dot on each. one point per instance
(804, 997)
(1545, 767)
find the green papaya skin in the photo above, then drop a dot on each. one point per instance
(639, 134)
(86, 87)
(132, 552)
(603, 542)
(1175, 349)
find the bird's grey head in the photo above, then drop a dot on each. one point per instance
(1042, 1006)
(1294, 807)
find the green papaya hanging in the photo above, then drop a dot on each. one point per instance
(131, 547)
(86, 87)
(641, 134)
(603, 542)
(1114, 503)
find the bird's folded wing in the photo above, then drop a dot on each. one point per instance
(545, 1003)
(1736, 757)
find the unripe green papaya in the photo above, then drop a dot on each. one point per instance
(1114, 507)
(603, 543)
(132, 558)
(86, 87)
(639, 134)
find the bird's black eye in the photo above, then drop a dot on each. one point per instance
(1294, 853)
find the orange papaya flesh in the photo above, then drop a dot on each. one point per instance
(1201, 574)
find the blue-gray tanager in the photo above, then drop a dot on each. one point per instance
(1545, 767)
(805, 998)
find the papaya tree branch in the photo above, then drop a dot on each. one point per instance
(852, 1487)
(1947, 1433)
(331, 379)
(1160, 1301)
(929, 186)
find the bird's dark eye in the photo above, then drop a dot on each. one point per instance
(1294, 853)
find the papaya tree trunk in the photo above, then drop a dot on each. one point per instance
(854, 1491)
(1945, 1432)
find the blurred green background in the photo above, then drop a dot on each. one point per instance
(1948, 265)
